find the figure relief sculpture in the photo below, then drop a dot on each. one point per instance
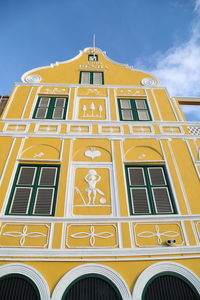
(92, 178)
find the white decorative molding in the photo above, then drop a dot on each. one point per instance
(31, 274)
(149, 82)
(161, 267)
(85, 269)
(24, 234)
(92, 153)
(91, 235)
(158, 233)
(33, 78)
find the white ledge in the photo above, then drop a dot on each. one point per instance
(100, 252)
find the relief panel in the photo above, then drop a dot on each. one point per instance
(92, 109)
(24, 235)
(156, 234)
(92, 191)
(91, 236)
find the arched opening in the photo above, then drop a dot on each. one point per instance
(169, 286)
(90, 287)
(18, 287)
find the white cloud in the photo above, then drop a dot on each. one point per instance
(197, 6)
(179, 68)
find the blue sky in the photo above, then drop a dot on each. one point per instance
(162, 37)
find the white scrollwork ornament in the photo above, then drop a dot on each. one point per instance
(33, 78)
(149, 82)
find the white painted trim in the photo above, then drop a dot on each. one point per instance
(110, 123)
(156, 104)
(16, 131)
(34, 104)
(192, 158)
(171, 104)
(85, 269)
(116, 195)
(177, 106)
(180, 178)
(99, 219)
(27, 102)
(171, 180)
(38, 124)
(10, 100)
(161, 267)
(6, 200)
(101, 252)
(85, 259)
(7, 161)
(187, 99)
(29, 272)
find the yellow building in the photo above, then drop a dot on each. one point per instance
(99, 185)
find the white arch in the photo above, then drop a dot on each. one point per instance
(161, 267)
(29, 272)
(73, 274)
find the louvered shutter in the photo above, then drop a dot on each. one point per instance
(127, 115)
(26, 176)
(44, 201)
(156, 176)
(45, 196)
(125, 104)
(20, 200)
(58, 111)
(42, 108)
(85, 77)
(143, 115)
(162, 200)
(34, 190)
(140, 201)
(149, 191)
(140, 104)
(47, 176)
(136, 176)
(97, 78)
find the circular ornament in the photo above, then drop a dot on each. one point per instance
(149, 82)
(33, 78)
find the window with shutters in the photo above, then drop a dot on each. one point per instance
(91, 77)
(51, 108)
(133, 110)
(34, 190)
(149, 190)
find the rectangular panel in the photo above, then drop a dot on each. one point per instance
(139, 199)
(44, 201)
(156, 176)
(162, 200)
(26, 176)
(140, 104)
(125, 103)
(60, 102)
(20, 200)
(58, 113)
(85, 77)
(127, 115)
(97, 78)
(48, 176)
(44, 102)
(143, 115)
(41, 113)
(136, 176)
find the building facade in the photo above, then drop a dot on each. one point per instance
(99, 185)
